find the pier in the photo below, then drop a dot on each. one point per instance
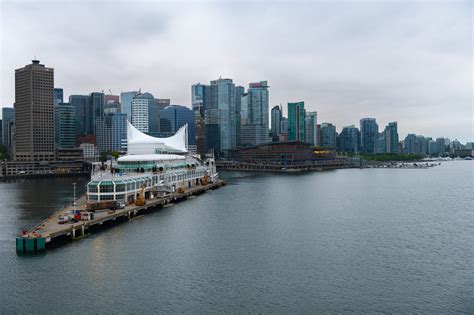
(50, 232)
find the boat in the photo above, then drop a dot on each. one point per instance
(153, 167)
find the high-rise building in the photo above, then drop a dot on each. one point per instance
(200, 133)
(410, 144)
(369, 131)
(65, 126)
(112, 101)
(145, 114)
(319, 136)
(153, 118)
(126, 103)
(97, 106)
(162, 102)
(34, 113)
(254, 128)
(283, 136)
(258, 103)
(328, 131)
(81, 105)
(380, 144)
(111, 132)
(441, 146)
(311, 130)
(432, 147)
(391, 138)
(58, 96)
(112, 106)
(177, 116)
(113, 98)
(277, 115)
(239, 91)
(223, 102)
(244, 109)
(8, 128)
(296, 121)
(197, 98)
(1, 132)
(349, 139)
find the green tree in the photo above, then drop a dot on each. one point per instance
(115, 154)
(4, 153)
(103, 157)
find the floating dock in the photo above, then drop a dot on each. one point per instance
(51, 232)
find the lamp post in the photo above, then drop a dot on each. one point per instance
(74, 201)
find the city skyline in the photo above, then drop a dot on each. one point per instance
(412, 67)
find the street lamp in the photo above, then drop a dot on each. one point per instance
(74, 201)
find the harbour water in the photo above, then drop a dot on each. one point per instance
(354, 240)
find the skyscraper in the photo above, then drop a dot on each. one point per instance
(255, 129)
(277, 114)
(65, 126)
(349, 139)
(409, 144)
(296, 121)
(223, 100)
(311, 130)
(391, 138)
(81, 107)
(58, 96)
(441, 145)
(8, 128)
(126, 103)
(177, 116)
(369, 131)
(197, 98)
(145, 113)
(96, 108)
(162, 102)
(328, 131)
(34, 113)
(239, 91)
(111, 132)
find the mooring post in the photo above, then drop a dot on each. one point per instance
(73, 234)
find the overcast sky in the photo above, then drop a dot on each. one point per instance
(395, 61)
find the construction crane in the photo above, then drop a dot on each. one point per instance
(141, 197)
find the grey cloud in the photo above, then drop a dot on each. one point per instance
(410, 62)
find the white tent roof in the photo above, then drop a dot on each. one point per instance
(140, 143)
(150, 157)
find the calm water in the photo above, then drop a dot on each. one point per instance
(374, 240)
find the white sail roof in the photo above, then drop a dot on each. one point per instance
(140, 143)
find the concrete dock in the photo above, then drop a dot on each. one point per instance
(50, 232)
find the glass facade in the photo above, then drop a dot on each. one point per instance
(8, 128)
(311, 121)
(58, 96)
(176, 116)
(126, 103)
(111, 132)
(391, 138)
(349, 139)
(296, 121)
(369, 131)
(65, 126)
(328, 132)
(81, 105)
(96, 110)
